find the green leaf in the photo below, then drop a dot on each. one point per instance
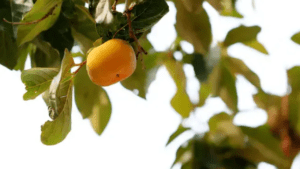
(83, 22)
(201, 154)
(59, 101)
(78, 54)
(194, 28)
(257, 46)
(263, 146)
(194, 6)
(19, 8)
(101, 113)
(80, 24)
(37, 80)
(184, 154)
(241, 34)
(198, 154)
(63, 76)
(187, 165)
(181, 101)
(266, 101)
(232, 13)
(92, 6)
(237, 66)
(264, 135)
(175, 69)
(294, 80)
(272, 105)
(42, 8)
(44, 55)
(204, 92)
(142, 77)
(144, 15)
(245, 35)
(294, 97)
(8, 50)
(59, 35)
(235, 162)
(8, 47)
(54, 132)
(223, 85)
(296, 38)
(23, 52)
(147, 13)
(92, 101)
(199, 66)
(68, 8)
(223, 132)
(145, 70)
(225, 7)
(117, 27)
(81, 2)
(178, 132)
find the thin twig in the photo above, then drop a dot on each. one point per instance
(132, 35)
(140, 49)
(119, 31)
(125, 24)
(32, 22)
(114, 6)
(80, 66)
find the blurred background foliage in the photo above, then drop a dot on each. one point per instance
(63, 24)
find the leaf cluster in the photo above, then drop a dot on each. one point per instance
(46, 31)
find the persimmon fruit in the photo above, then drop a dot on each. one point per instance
(111, 62)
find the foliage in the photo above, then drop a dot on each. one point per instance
(46, 30)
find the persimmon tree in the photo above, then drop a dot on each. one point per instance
(47, 30)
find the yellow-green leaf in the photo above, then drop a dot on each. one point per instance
(223, 132)
(181, 101)
(204, 92)
(7, 49)
(142, 77)
(193, 27)
(80, 24)
(246, 35)
(237, 66)
(92, 101)
(101, 112)
(294, 97)
(43, 54)
(22, 53)
(45, 12)
(37, 80)
(178, 132)
(296, 38)
(263, 146)
(223, 85)
(59, 101)
(194, 6)
(55, 131)
(225, 7)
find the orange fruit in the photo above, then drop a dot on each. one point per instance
(111, 62)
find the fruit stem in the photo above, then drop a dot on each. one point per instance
(32, 22)
(80, 66)
(131, 33)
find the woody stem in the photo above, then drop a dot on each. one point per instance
(132, 35)
(80, 66)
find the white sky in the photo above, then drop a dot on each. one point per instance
(138, 131)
